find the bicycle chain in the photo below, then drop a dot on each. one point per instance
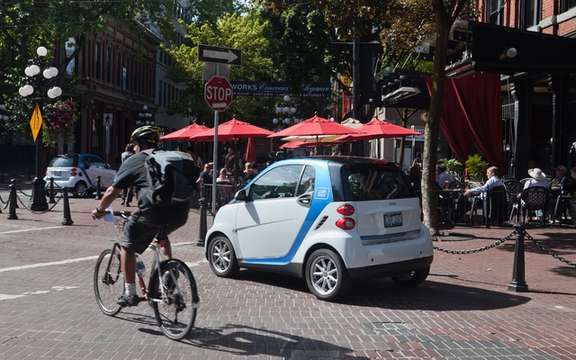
(477, 250)
(545, 248)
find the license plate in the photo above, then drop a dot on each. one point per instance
(393, 220)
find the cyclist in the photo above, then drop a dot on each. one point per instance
(148, 221)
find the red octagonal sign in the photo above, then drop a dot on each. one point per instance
(218, 93)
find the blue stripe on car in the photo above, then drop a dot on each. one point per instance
(322, 197)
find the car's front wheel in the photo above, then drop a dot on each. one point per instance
(221, 257)
(80, 189)
(412, 278)
(326, 275)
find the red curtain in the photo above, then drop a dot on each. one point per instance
(472, 117)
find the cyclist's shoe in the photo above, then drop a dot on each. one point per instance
(128, 300)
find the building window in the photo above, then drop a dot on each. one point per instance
(97, 62)
(566, 5)
(495, 11)
(530, 13)
(109, 64)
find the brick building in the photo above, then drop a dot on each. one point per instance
(539, 105)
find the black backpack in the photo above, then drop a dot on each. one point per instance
(171, 176)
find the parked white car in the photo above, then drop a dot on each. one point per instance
(327, 220)
(79, 172)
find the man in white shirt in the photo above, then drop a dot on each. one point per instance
(538, 179)
(493, 181)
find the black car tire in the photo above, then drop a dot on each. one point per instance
(333, 264)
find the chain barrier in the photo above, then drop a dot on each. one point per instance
(38, 212)
(23, 193)
(493, 245)
(2, 200)
(546, 249)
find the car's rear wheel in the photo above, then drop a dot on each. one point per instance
(326, 275)
(412, 278)
(80, 189)
(221, 257)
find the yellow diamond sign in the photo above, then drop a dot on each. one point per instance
(36, 122)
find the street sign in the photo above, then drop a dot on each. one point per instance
(218, 93)
(214, 69)
(207, 53)
(36, 122)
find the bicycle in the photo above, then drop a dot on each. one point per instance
(166, 289)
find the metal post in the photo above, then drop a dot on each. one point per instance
(12, 201)
(203, 228)
(215, 161)
(66, 209)
(52, 200)
(39, 202)
(518, 282)
(98, 184)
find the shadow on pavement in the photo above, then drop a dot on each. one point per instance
(431, 295)
(244, 340)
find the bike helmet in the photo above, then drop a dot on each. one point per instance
(149, 135)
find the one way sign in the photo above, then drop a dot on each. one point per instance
(207, 53)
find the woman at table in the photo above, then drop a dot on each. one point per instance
(493, 175)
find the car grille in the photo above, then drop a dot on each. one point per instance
(390, 238)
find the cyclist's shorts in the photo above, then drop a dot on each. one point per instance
(139, 231)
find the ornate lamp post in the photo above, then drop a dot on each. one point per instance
(42, 87)
(285, 111)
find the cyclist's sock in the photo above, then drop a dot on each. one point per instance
(130, 289)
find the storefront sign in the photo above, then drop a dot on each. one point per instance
(254, 88)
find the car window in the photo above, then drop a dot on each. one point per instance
(97, 162)
(366, 182)
(62, 161)
(307, 181)
(279, 182)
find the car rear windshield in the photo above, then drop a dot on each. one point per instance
(62, 161)
(366, 181)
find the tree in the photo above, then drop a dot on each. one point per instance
(241, 31)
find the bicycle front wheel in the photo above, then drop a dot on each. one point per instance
(108, 282)
(175, 298)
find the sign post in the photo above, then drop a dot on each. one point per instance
(218, 92)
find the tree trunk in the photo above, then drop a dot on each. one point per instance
(430, 155)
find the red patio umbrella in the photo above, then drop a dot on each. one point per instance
(231, 130)
(250, 155)
(316, 125)
(379, 129)
(185, 133)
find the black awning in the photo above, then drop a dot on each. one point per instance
(507, 50)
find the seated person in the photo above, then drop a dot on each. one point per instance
(249, 171)
(538, 179)
(206, 175)
(561, 177)
(444, 178)
(223, 177)
(570, 190)
(493, 175)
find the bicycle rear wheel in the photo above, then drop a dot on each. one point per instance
(175, 308)
(108, 282)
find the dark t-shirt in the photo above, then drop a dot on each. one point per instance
(132, 172)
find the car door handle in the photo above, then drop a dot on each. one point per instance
(305, 199)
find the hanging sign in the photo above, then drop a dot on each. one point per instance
(36, 122)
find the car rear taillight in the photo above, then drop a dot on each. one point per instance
(73, 172)
(346, 210)
(346, 223)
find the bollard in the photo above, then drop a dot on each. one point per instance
(51, 194)
(203, 228)
(98, 193)
(12, 201)
(67, 218)
(518, 282)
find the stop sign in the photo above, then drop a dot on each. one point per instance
(218, 93)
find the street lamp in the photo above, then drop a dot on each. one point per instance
(285, 111)
(41, 84)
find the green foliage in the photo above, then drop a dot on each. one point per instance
(454, 168)
(476, 167)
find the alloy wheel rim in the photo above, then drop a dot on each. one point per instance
(324, 275)
(221, 256)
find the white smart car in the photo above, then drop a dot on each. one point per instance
(328, 220)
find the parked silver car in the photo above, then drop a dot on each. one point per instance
(79, 172)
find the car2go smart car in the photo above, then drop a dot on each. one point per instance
(328, 220)
(79, 172)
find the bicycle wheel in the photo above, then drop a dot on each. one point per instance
(175, 308)
(108, 282)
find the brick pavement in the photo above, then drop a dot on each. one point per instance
(463, 311)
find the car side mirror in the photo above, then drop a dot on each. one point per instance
(241, 195)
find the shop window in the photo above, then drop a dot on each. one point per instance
(566, 5)
(495, 11)
(530, 13)
(97, 56)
